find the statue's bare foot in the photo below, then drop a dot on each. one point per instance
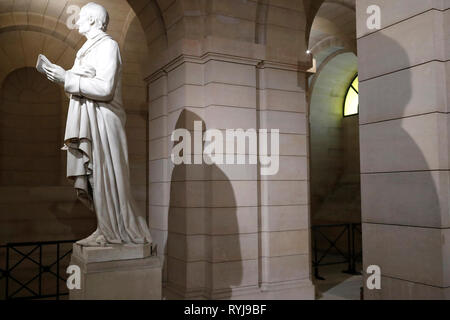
(94, 240)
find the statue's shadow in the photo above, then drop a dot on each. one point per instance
(203, 247)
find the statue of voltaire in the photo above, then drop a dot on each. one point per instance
(95, 140)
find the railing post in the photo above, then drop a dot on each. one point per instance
(40, 269)
(316, 268)
(349, 248)
(316, 259)
(353, 249)
(57, 271)
(7, 272)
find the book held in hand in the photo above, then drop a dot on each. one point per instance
(42, 62)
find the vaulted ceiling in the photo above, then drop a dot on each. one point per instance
(29, 27)
(334, 25)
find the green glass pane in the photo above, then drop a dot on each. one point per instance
(351, 103)
(355, 84)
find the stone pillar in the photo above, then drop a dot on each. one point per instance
(159, 168)
(225, 231)
(404, 140)
(285, 259)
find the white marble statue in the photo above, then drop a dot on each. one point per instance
(95, 140)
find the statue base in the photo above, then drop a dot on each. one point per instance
(116, 272)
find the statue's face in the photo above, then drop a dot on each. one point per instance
(85, 22)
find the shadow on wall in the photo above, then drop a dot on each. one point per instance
(203, 248)
(75, 218)
(398, 187)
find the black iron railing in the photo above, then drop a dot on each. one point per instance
(26, 265)
(332, 253)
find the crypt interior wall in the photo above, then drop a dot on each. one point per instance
(35, 206)
(30, 129)
(243, 63)
(245, 52)
(222, 60)
(37, 202)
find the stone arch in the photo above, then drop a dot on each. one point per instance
(278, 25)
(40, 205)
(150, 15)
(21, 46)
(333, 31)
(334, 147)
(314, 7)
(54, 15)
(44, 24)
(322, 66)
(30, 109)
(334, 42)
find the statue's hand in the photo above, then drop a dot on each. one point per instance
(55, 74)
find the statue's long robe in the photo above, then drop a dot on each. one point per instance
(95, 140)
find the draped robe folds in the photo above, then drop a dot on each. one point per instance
(95, 140)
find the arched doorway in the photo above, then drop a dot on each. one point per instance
(334, 151)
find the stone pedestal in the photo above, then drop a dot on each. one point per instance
(121, 272)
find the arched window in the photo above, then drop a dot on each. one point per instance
(351, 102)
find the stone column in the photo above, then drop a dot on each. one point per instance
(404, 138)
(285, 261)
(159, 164)
(224, 230)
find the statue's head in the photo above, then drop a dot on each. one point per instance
(92, 16)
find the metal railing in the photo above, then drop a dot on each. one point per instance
(347, 233)
(25, 250)
(2, 271)
(18, 255)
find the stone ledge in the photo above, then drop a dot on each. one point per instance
(112, 252)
